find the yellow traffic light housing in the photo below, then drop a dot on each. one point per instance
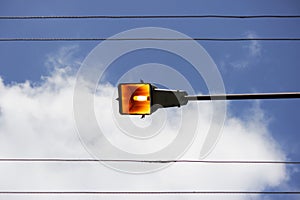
(144, 98)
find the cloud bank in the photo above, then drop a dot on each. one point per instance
(36, 121)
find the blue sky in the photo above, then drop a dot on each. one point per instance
(265, 66)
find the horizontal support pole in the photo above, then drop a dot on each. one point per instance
(286, 95)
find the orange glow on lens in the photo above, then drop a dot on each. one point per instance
(140, 98)
(136, 99)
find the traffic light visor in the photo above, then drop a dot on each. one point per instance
(135, 98)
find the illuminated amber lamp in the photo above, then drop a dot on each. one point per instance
(134, 99)
(144, 98)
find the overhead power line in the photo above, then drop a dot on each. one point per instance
(148, 17)
(148, 192)
(145, 39)
(148, 161)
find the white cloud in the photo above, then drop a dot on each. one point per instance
(240, 64)
(37, 121)
(248, 55)
(254, 48)
(64, 57)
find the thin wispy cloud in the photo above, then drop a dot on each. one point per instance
(66, 56)
(249, 54)
(255, 47)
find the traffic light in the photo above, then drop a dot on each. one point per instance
(144, 98)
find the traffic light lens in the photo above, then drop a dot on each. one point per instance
(134, 99)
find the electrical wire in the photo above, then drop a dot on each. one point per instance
(148, 192)
(146, 39)
(148, 161)
(147, 17)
